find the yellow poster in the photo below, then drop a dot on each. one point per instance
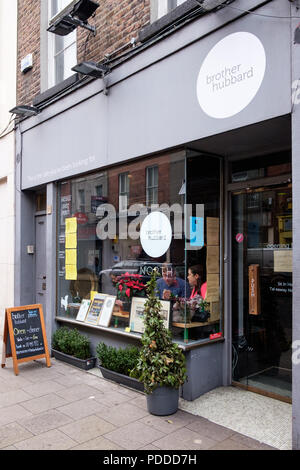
(71, 240)
(71, 256)
(71, 272)
(71, 225)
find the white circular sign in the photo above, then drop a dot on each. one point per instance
(231, 75)
(156, 234)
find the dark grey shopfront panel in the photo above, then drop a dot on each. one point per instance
(70, 143)
(157, 107)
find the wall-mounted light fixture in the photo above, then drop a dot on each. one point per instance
(25, 110)
(76, 13)
(91, 68)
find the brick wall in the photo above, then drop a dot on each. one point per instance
(137, 183)
(116, 21)
(28, 85)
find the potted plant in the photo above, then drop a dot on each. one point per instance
(128, 286)
(161, 366)
(117, 363)
(190, 310)
(70, 346)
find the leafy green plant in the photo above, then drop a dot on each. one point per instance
(71, 342)
(161, 362)
(117, 359)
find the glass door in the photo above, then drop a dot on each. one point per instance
(262, 290)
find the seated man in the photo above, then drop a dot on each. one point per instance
(169, 284)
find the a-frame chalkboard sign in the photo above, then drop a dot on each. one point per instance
(24, 337)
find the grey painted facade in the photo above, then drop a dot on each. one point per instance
(152, 106)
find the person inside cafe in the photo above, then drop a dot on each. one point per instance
(170, 284)
(195, 275)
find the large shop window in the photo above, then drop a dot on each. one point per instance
(162, 212)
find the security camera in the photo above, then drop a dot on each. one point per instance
(76, 13)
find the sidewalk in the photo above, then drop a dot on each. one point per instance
(63, 407)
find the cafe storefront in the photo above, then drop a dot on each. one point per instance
(214, 152)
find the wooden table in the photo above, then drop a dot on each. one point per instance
(187, 326)
(119, 314)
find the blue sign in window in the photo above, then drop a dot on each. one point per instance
(197, 231)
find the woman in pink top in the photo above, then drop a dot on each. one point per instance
(195, 281)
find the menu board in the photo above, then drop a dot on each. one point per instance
(27, 337)
(95, 309)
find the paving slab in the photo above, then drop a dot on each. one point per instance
(44, 403)
(78, 392)
(43, 422)
(82, 408)
(51, 440)
(87, 428)
(100, 443)
(184, 439)
(13, 397)
(12, 433)
(204, 427)
(122, 414)
(43, 388)
(169, 424)
(134, 436)
(13, 413)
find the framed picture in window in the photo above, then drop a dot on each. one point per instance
(137, 314)
(107, 309)
(95, 309)
(84, 306)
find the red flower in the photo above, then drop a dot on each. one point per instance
(127, 292)
(120, 287)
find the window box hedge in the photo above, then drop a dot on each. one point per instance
(68, 345)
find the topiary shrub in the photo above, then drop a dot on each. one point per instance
(121, 360)
(161, 362)
(71, 342)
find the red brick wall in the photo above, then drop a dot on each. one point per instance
(28, 84)
(116, 21)
(137, 184)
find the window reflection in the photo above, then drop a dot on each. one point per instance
(118, 199)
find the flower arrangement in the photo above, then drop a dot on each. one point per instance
(188, 307)
(130, 285)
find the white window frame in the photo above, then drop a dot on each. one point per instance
(52, 53)
(160, 8)
(81, 200)
(151, 185)
(124, 188)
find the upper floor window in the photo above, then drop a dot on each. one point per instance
(152, 185)
(160, 8)
(62, 49)
(81, 200)
(123, 191)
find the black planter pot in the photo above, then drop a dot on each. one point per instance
(84, 364)
(122, 379)
(163, 401)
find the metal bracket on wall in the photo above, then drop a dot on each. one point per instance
(105, 90)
